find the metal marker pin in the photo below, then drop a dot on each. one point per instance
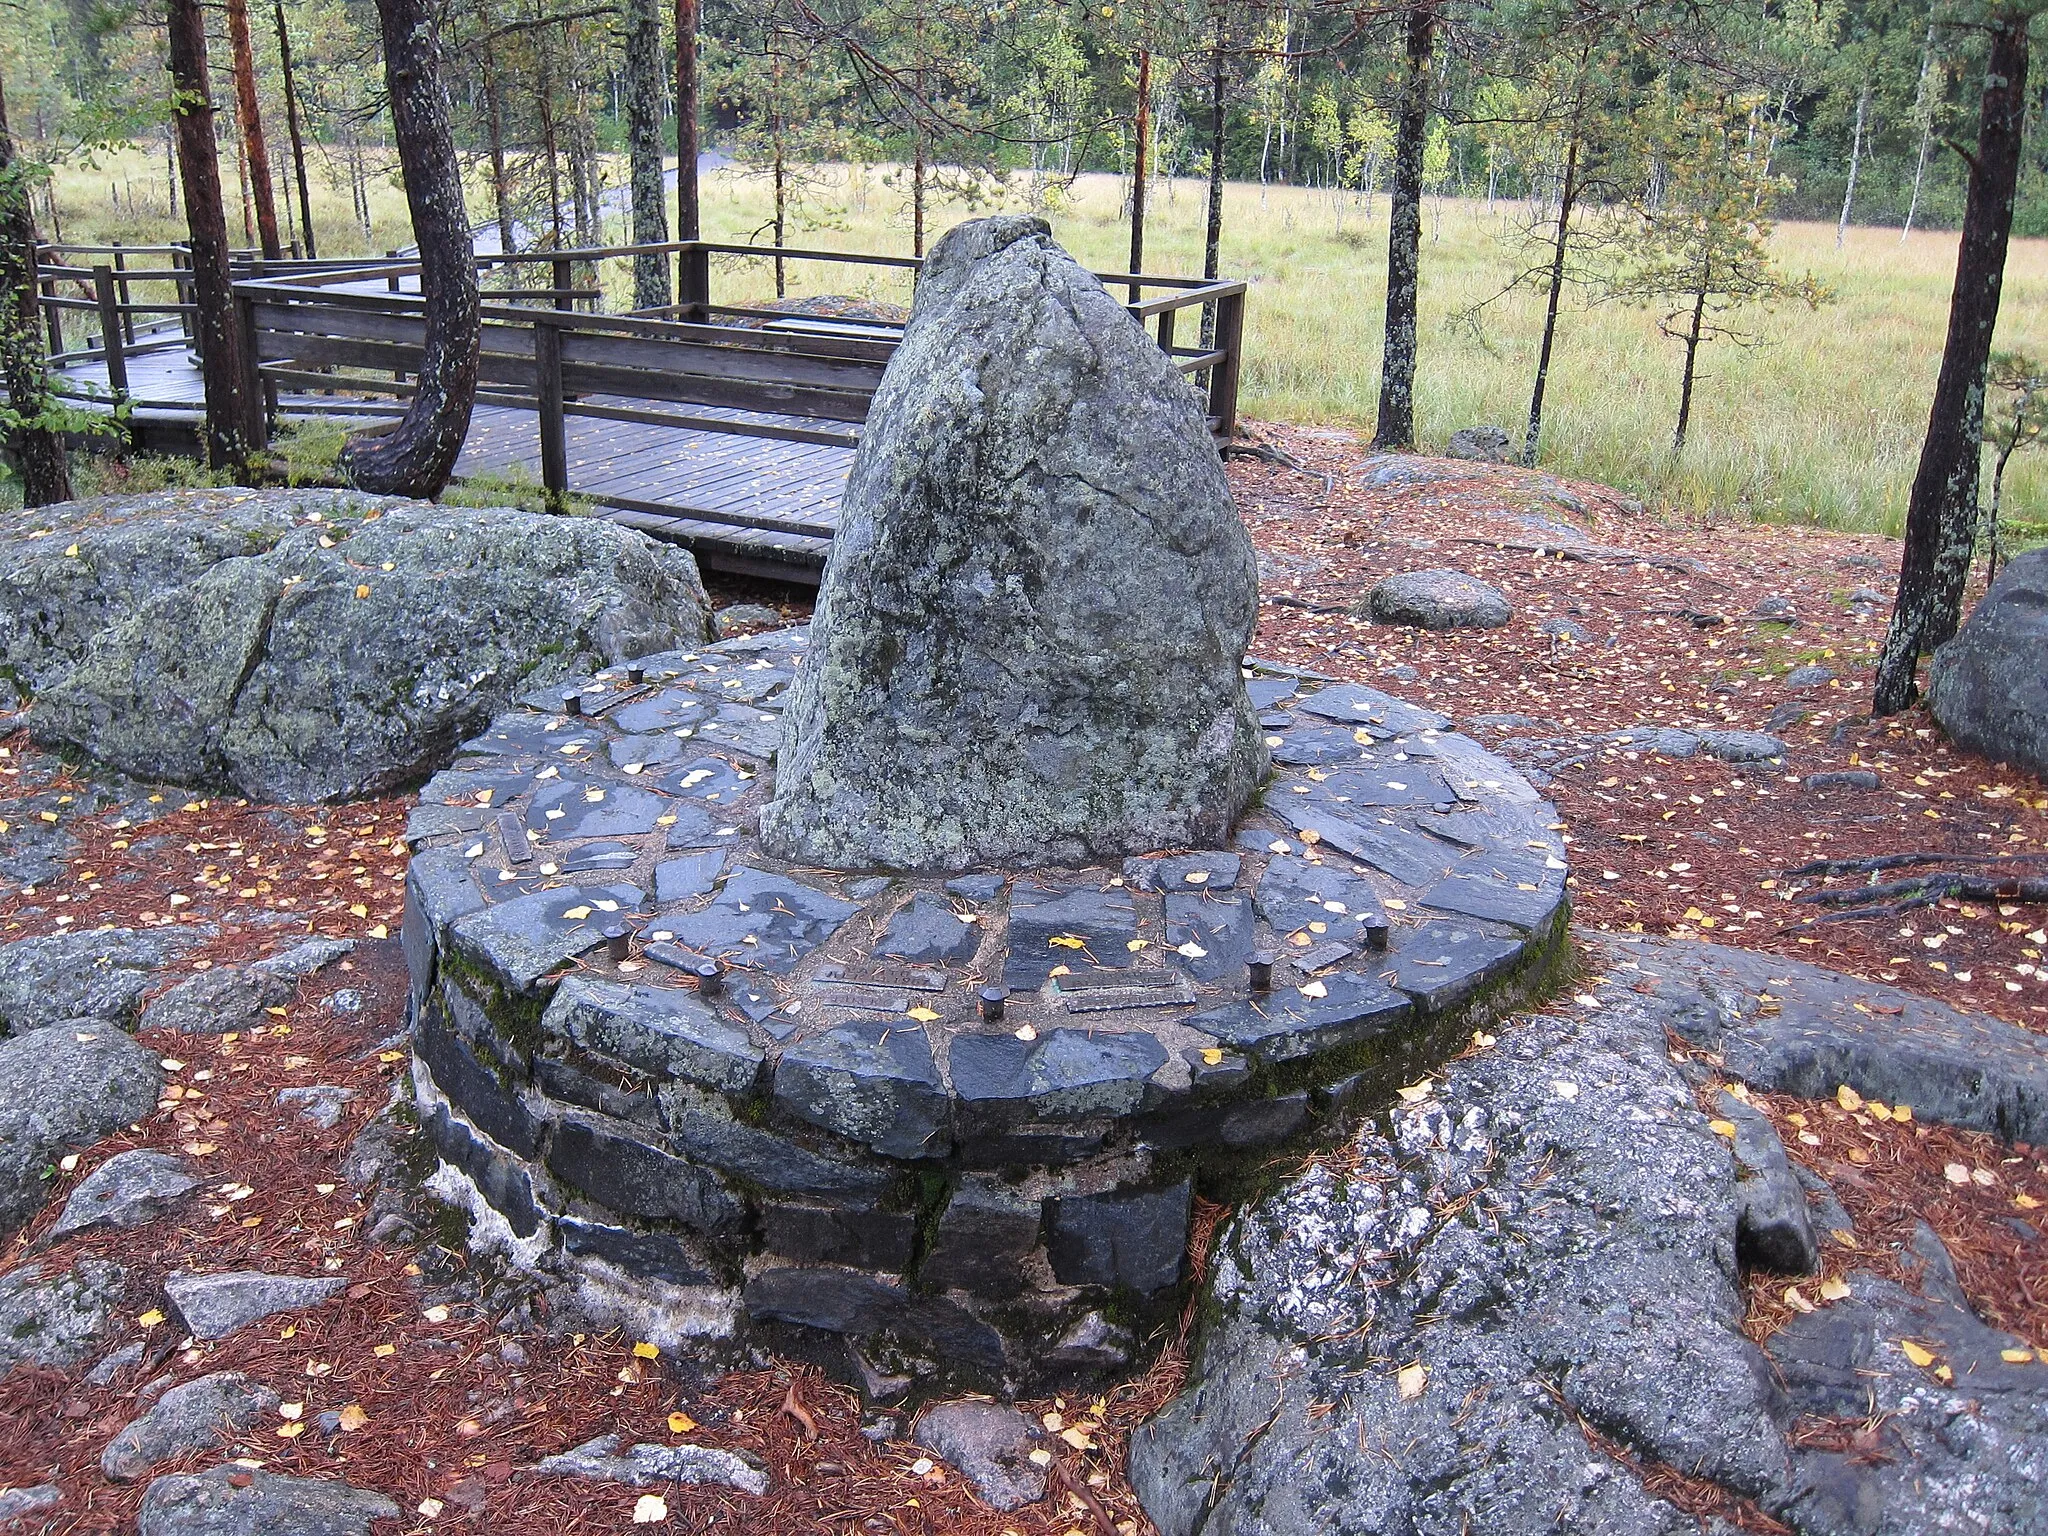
(992, 1000)
(1260, 965)
(617, 939)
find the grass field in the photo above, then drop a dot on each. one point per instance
(1821, 423)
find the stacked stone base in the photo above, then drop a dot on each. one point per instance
(832, 1154)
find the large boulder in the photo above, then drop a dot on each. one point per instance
(96, 973)
(1989, 686)
(59, 1322)
(64, 1088)
(349, 656)
(1027, 644)
(1409, 1338)
(70, 571)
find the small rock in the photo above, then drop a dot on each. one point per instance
(227, 1501)
(219, 1001)
(1094, 1343)
(1843, 778)
(1435, 599)
(745, 618)
(320, 1103)
(1938, 1278)
(1741, 746)
(302, 960)
(990, 1445)
(347, 1000)
(57, 1323)
(376, 1154)
(881, 1429)
(18, 1504)
(1809, 676)
(207, 1412)
(214, 1306)
(1488, 445)
(126, 1190)
(1660, 739)
(1778, 609)
(1520, 725)
(1401, 672)
(1774, 1230)
(64, 1088)
(1565, 629)
(103, 1374)
(328, 1422)
(1787, 714)
(600, 1461)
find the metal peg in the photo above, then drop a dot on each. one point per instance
(1260, 965)
(992, 1000)
(710, 978)
(1376, 932)
(617, 939)
(572, 702)
(636, 674)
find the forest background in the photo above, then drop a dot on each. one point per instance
(1806, 149)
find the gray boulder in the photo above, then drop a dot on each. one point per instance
(98, 973)
(1039, 596)
(600, 1460)
(304, 958)
(60, 1322)
(64, 1088)
(67, 572)
(214, 1306)
(1489, 445)
(349, 659)
(1436, 600)
(1402, 1343)
(227, 1501)
(18, 1506)
(205, 1412)
(990, 1444)
(1741, 746)
(1989, 685)
(127, 1190)
(219, 1001)
(745, 618)
(1966, 1454)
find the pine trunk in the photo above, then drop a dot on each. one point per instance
(229, 425)
(249, 113)
(291, 122)
(1567, 199)
(1855, 162)
(1692, 354)
(1140, 165)
(494, 108)
(1395, 427)
(1941, 518)
(417, 459)
(38, 451)
(688, 223)
(643, 138)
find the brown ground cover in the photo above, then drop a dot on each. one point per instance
(450, 1417)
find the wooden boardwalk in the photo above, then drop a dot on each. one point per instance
(776, 503)
(728, 428)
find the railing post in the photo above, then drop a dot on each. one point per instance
(53, 317)
(181, 262)
(259, 396)
(123, 293)
(110, 331)
(1166, 332)
(1223, 377)
(562, 274)
(693, 282)
(554, 440)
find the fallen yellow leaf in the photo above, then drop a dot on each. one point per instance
(150, 1318)
(680, 1423)
(353, 1417)
(923, 1015)
(2015, 1356)
(1848, 1098)
(1411, 1382)
(1415, 1093)
(647, 1351)
(1722, 1128)
(1916, 1353)
(1834, 1288)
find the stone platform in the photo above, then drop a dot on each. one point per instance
(945, 1129)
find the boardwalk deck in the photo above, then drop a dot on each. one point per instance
(647, 477)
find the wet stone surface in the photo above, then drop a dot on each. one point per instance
(949, 1117)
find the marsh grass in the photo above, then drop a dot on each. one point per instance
(1819, 423)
